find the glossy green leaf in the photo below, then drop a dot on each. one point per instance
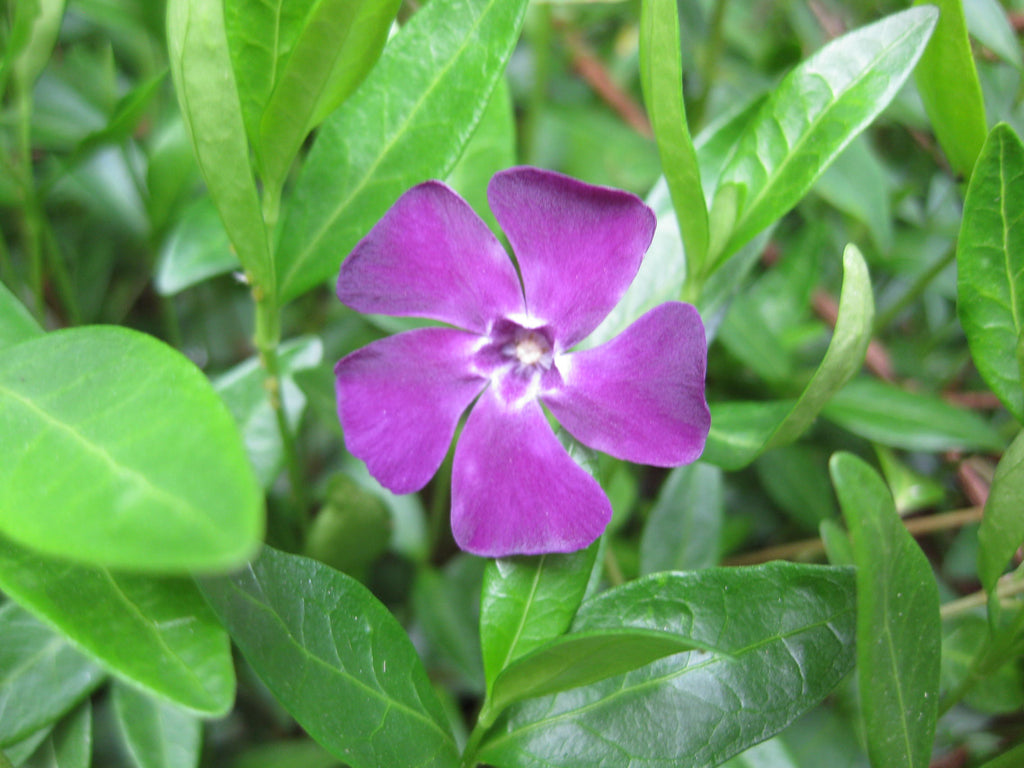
(1002, 527)
(583, 658)
(16, 322)
(123, 453)
(156, 734)
(914, 421)
(208, 95)
(41, 675)
(898, 625)
(741, 431)
(948, 83)
(196, 248)
(155, 632)
(408, 122)
(990, 266)
(296, 61)
(527, 601)
(242, 390)
(69, 745)
(684, 528)
(661, 71)
(789, 631)
(811, 116)
(336, 659)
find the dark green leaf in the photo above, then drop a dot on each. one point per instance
(41, 675)
(336, 659)
(683, 531)
(912, 420)
(156, 734)
(948, 83)
(990, 265)
(796, 479)
(201, 68)
(527, 601)
(788, 629)
(16, 323)
(1010, 759)
(408, 122)
(808, 120)
(296, 61)
(69, 745)
(1001, 689)
(1002, 527)
(123, 453)
(154, 632)
(661, 76)
(898, 625)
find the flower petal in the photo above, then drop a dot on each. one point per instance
(640, 397)
(515, 490)
(431, 256)
(400, 399)
(578, 246)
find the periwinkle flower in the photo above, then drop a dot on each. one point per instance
(639, 397)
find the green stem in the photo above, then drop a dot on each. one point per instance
(713, 52)
(440, 502)
(885, 318)
(484, 722)
(61, 276)
(31, 216)
(539, 34)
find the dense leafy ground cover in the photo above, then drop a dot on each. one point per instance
(194, 570)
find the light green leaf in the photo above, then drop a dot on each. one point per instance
(156, 734)
(990, 266)
(948, 83)
(789, 632)
(408, 122)
(914, 421)
(527, 601)
(296, 61)
(661, 77)
(207, 92)
(155, 632)
(1002, 527)
(898, 625)
(41, 675)
(123, 453)
(196, 248)
(858, 184)
(35, 27)
(336, 659)
(989, 24)
(808, 120)
(16, 322)
(69, 745)
(684, 528)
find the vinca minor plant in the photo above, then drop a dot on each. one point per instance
(504, 383)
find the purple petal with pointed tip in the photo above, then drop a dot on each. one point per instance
(640, 397)
(431, 256)
(578, 246)
(515, 490)
(400, 399)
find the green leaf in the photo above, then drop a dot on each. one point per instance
(914, 421)
(787, 627)
(242, 390)
(795, 477)
(207, 92)
(118, 452)
(351, 530)
(156, 734)
(527, 601)
(16, 322)
(948, 83)
(661, 77)
(858, 184)
(988, 22)
(742, 431)
(41, 675)
(69, 745)
(580, 659)
(155, 632)
(990, 266)
(196, 248)
(898, 625)
(296, 61)
(811, 116)
(409, 121)
(35, 27)
(1010, 759)
(336, 659)
(683, 531)
(1002, 527)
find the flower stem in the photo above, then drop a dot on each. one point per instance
(712, 53)
(31, 217)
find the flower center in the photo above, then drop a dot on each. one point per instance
(532, 349)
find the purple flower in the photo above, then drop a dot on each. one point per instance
(640, 397)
